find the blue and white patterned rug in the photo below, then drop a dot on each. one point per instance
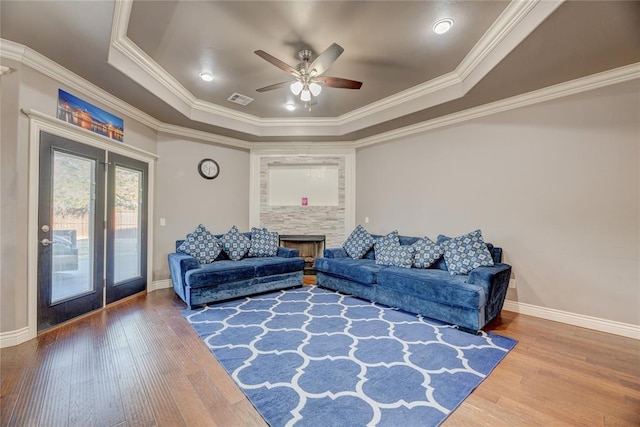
(314, 357)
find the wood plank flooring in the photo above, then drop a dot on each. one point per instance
(139, 363)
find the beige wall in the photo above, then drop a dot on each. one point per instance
(185, 199)
(555, 184)
(27, 89)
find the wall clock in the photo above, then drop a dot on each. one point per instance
(208, 168)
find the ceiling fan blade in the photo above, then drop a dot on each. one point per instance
(338, 82)
(272, 87)
(325, 59)
(275, 61)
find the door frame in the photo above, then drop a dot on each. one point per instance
(41, 122)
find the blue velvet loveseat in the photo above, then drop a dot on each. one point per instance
(468, 300)
(199, 284)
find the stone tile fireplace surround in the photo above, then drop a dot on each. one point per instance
(331, 221)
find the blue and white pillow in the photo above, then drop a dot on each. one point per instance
(427, 252)
(358, 243)
(201, 245)
(391, 239)
(264, 243)
(464, 253)
(396, 255)
(235, 244)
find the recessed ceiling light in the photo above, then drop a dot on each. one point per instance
(442, 26)
(290, 106)
(207, 77)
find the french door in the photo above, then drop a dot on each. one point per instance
(83, 208)
(126, 227)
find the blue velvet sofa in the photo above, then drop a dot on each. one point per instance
(224, 279)
(467, 300)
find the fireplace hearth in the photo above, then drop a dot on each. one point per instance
(310, 247)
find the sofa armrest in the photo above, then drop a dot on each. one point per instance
(179, 264)
(495, 280)
(287, 252)
(335, 253)
(486, 274)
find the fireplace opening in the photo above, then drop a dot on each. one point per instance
(309, 246)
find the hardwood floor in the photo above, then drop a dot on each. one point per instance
(139, 363)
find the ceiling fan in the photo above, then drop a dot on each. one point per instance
(308, 75)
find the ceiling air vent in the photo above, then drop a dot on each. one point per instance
(240, 99)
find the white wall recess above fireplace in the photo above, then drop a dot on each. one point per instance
(289, 184)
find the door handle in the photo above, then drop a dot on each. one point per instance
(46, 242)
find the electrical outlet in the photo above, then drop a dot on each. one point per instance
(512, 283)
(163, 222)
(366, 220)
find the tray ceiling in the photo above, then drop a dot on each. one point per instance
(149, 54)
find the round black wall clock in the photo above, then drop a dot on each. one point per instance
(208, 168)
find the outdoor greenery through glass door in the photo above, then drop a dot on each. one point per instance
(126, 268)
(127, 222)
(72, 226)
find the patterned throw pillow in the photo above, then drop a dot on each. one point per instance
(263, 242)
(464, 253)
(235, 244)
(358, 243)
(396, 255)
(426, 252)
(391, 239)
(201, 245)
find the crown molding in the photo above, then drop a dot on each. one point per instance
(49, 68)
(28, 57)
(517, 21)
(40, 63)
(493, 47)
(199, 135)
(572, 87)
(303, 149)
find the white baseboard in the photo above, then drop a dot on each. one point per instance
(11, 338)
(602, 325)
(160, 284)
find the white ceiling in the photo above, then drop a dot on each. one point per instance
(149, 54)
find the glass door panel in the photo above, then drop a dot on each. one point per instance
(71, 230)
(73, 189)
(126, 227)
(127, 224)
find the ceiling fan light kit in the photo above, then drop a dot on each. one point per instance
(296, 87)
(308, 75)
(315, 88)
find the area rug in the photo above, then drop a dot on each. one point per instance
(314, 357)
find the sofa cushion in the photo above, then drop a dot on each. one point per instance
(396, 255)
(434, 285)
(219, 272)
(358, 243)
(466, 252)
(234, 244)
(268, 266)
(427, 252)
(201, 245)
(363, 271)
(264, 243)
